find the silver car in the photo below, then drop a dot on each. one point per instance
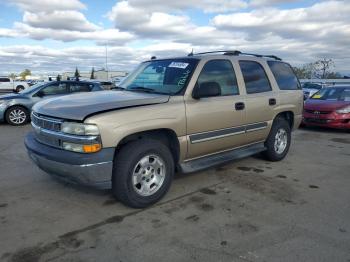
(15, 108)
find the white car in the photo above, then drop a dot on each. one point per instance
(9, 85)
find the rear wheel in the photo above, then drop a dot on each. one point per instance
(17, 116)
(278, 141)
(143, 172)
(19, 88)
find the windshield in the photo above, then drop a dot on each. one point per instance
(312, 86)
(169, 76)
(31, 88)
(333, 94)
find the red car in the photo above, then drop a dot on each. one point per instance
(329, 107)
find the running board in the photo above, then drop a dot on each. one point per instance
(221, 158)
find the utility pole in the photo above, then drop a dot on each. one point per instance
(107, 60)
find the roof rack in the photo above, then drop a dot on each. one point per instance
(235, 53)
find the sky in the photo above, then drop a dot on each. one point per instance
(54, 36)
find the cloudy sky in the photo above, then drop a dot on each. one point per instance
(58, 35)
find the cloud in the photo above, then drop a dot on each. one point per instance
(47, 5)
(66, 20)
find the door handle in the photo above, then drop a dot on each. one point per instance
(239, 106)
(272, 101)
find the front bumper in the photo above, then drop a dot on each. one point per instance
(333, 120)
(93, 170)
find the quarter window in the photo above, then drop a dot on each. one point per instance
(255, 78)
(284, 75)
(221, 72)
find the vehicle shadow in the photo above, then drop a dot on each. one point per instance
(323, 129)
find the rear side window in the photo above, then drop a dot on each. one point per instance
(284, 75)
(255, 78)
(221, 72)
(80, 87)
(3, 80)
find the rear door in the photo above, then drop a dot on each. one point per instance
(260, 100)
(214, 123)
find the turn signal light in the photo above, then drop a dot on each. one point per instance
(91, 148)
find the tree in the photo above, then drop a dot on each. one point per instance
(76, 74)
(323, 67)
(305, 71)
(25, 73)
(12, 75)
(92, 73)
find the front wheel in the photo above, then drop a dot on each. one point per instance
(278, 141)
(17, 116)
(143, 172)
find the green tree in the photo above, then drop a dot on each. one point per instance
(92, 73)
(76, 74)
(25, 73)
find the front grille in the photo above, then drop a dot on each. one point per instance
(47, 123)
(316, 112)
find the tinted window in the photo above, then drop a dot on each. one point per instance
(255, 77)
(80, 87)
(55, 89)
(221, 72)
(284, 75)
(4, 80)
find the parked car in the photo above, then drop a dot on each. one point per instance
(15, 108)
(329, 107)
(9, 85)
(184, 113)
(310, 88)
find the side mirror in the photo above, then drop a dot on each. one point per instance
(206, 89)
(40, 94)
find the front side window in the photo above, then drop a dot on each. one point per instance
(169, 76)
(55, 89)
(255, 78)
(284, 75)
(222, 73)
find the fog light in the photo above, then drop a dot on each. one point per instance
(81, 148)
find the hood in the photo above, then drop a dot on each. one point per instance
(324, 105)
(10, 96)
(79, 106)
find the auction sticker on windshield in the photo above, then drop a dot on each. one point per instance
(178, 65)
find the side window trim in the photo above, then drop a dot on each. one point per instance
(265, 73)
(233, 71)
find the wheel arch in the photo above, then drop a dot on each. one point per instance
(165, 135)
(288, 116)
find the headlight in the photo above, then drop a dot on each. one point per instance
(345, 110)
(79, 129)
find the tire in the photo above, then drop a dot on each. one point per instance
(278, 141)
(17, 116)
(136, 166)
(19, 88)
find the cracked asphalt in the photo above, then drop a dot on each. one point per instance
(250, 210)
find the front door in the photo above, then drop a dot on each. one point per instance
(215, 123)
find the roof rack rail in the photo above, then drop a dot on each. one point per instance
(235, 53)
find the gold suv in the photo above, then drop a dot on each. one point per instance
(177, 114)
